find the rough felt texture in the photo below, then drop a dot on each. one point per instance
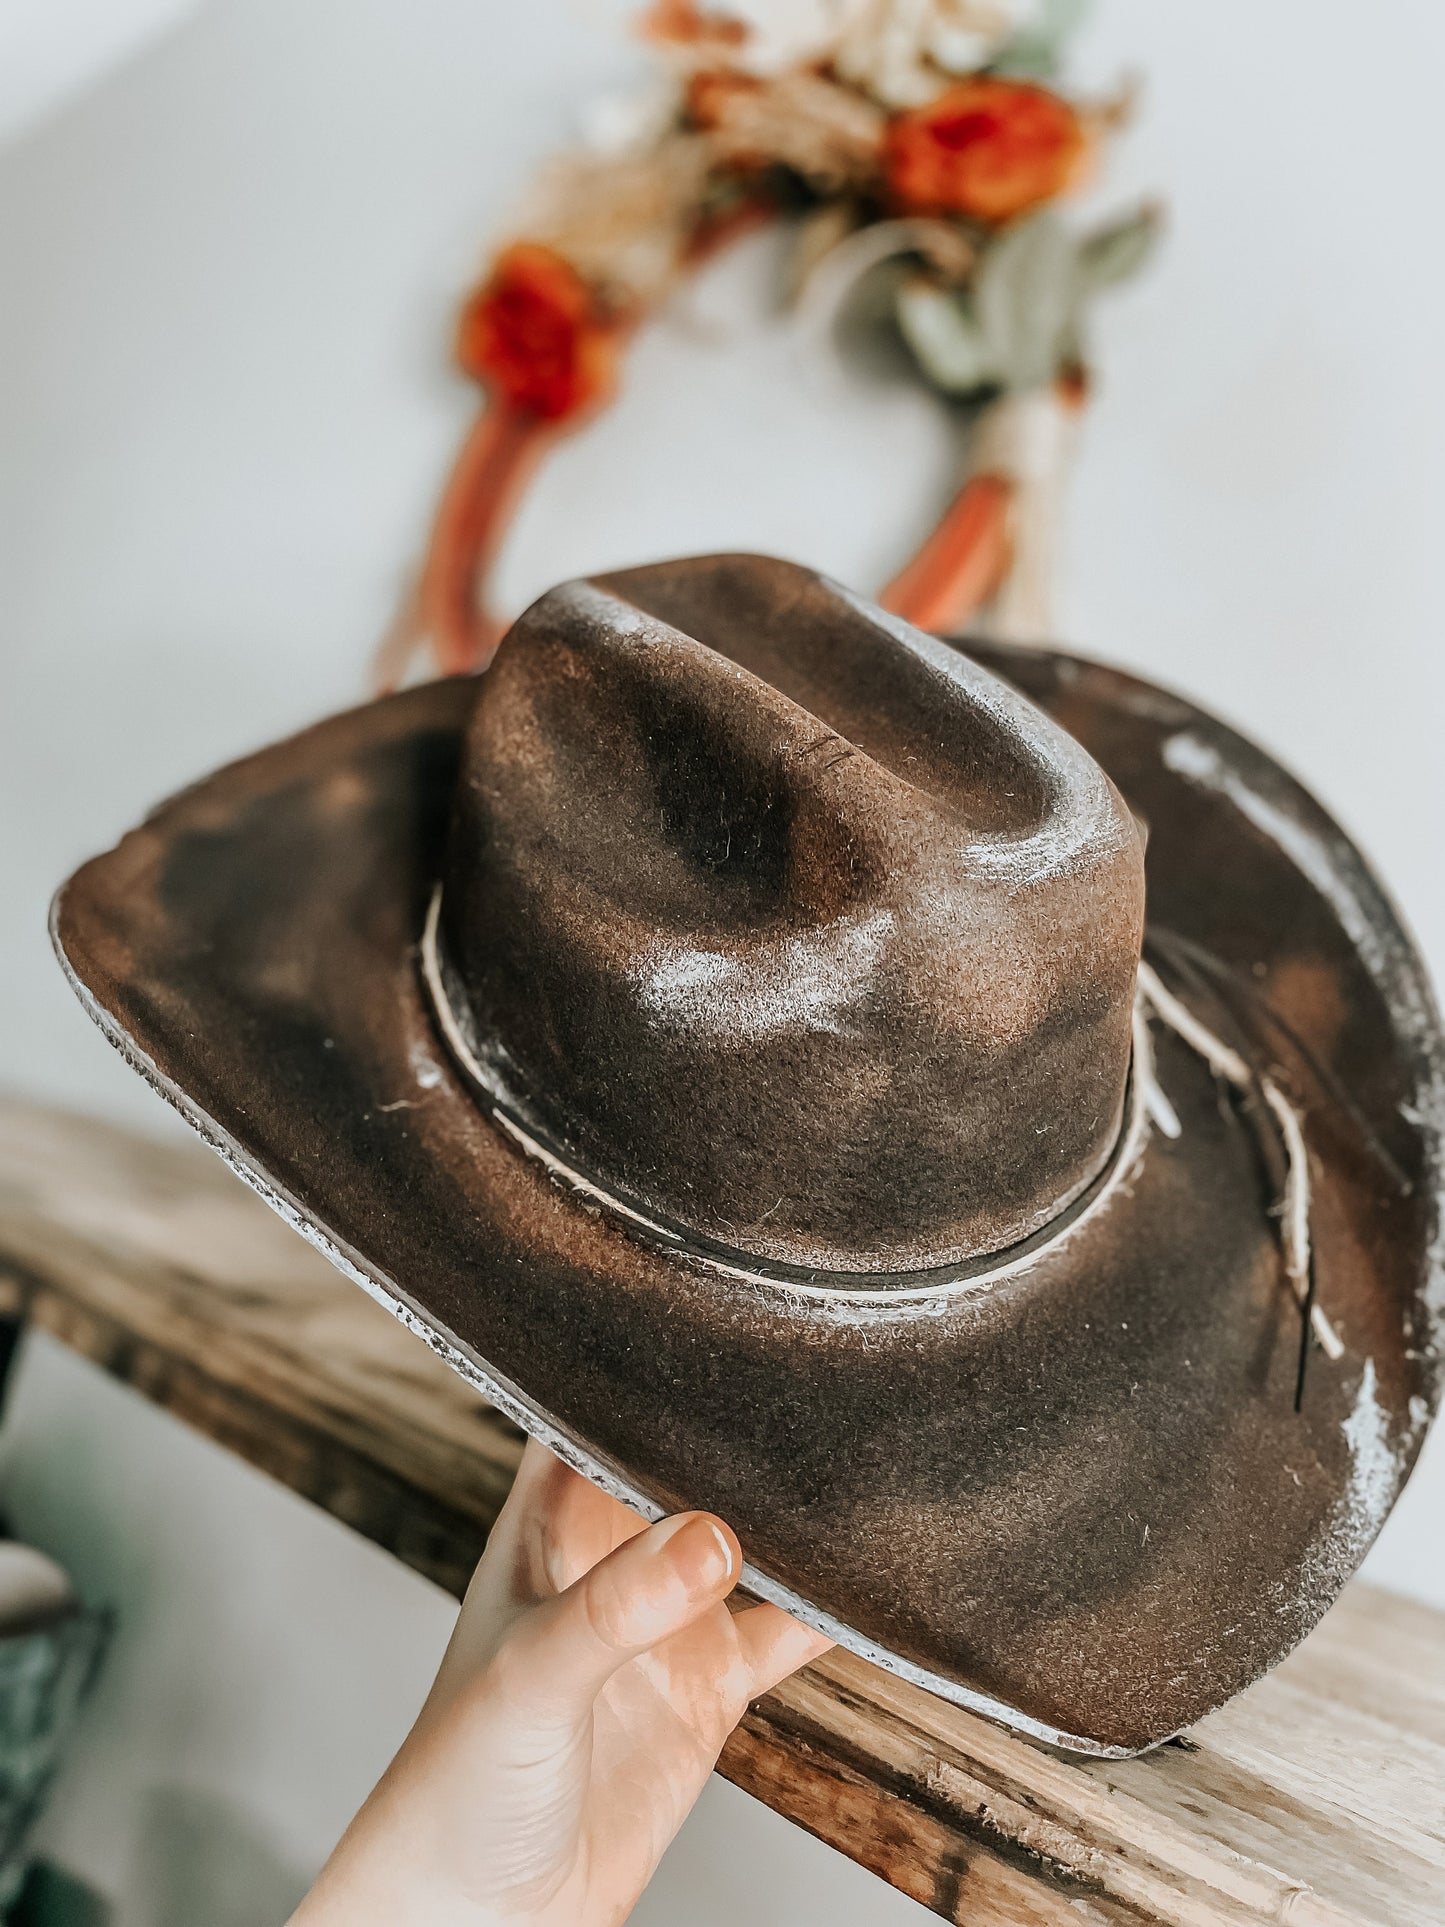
(1082, 1491)
(793, 926)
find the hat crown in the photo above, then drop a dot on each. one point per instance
(786, 924)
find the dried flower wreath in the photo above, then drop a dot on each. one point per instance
(927, 134)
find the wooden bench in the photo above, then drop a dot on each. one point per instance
(1315, 1799)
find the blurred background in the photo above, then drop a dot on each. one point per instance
(232, 237)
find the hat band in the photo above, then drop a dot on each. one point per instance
(973, 1275)
(1296, 1244)
(1146, 1106)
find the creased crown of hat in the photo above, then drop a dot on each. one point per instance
(788, 925)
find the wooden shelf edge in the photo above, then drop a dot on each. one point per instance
(1302, 1801)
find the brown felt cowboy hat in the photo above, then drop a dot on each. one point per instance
(734, 1032)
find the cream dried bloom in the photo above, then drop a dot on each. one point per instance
(786, 33)
(826, 133)
(904, 52)
(622, 221)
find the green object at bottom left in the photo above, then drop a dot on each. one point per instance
(45, 1675)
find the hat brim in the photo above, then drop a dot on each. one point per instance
(1078, 1499)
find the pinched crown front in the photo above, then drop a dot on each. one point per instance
(788, 925)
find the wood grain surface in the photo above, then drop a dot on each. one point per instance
(1316, 1799)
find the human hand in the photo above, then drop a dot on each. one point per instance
(593, 1676)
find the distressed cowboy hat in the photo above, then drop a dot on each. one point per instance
(736, 1032)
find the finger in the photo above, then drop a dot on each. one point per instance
(539, 1471)
(580, 1525)
(556, 1524)
(511, 1575)
(560, 1655)
(775, 1644)
(540, 1480)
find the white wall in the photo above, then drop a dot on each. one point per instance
(51, 50)
(226, 279)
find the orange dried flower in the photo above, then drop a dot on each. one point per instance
(681, 23)
(989, 148)
(532, 333)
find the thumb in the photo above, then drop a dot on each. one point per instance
(561, 1654)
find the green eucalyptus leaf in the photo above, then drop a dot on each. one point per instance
(1112, 254)
(1036, 51)
(940, 328)
(1027, 294)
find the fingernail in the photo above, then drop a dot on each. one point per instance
(701, 1551)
